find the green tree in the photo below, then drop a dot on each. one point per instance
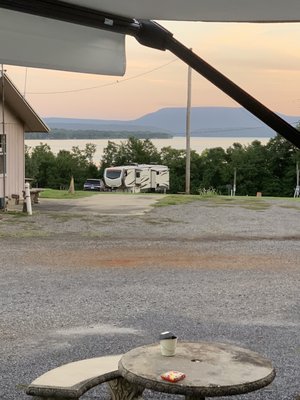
(30, 169)
(77, 163)
(89, 152)
(175, 160)
(129, 152)
(215, 170)
(39, 164)
(251, 163)
(197, 170)
(109, 157)
(282, 159)
(52, 171)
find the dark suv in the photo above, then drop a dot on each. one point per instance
(94, 184)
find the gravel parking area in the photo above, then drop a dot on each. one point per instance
(77, 284)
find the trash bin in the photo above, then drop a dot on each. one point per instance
(2, 203)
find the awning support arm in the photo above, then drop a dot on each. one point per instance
(153, 35)
(151, 29)
(74, 14)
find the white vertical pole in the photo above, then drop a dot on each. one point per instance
(297, 190)
(234, 181)
(188, 134)
(28, 199)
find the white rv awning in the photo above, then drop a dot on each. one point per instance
(33, 41)
(89, 36)
(200, 10)
(40, 41)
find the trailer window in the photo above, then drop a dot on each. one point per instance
(113, 173)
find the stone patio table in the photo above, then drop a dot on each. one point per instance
(212, 370)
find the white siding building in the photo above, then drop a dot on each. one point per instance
(16, 118)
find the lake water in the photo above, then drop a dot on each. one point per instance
(197, 143)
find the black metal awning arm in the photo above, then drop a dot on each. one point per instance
(66, 12)
(153, 35)
(162, 37)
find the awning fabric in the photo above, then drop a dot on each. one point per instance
(200, 10)
(33, 41)
(42, 39)
(37, 41)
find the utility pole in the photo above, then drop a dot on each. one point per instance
(297, 190)
(188, 134)
(234, 182)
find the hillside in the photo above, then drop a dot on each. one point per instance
(205, 121)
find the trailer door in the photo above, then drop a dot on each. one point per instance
(129, 178)
(153, 179)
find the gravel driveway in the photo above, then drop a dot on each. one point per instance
(77, 284)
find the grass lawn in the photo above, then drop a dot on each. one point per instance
(64, 194)
(175, 199)
(250, 202)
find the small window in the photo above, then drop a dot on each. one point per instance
(138, 174)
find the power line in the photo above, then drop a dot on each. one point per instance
(110, 83)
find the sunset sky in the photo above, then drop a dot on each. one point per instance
(264, 59)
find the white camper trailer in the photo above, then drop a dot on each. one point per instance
(137, 178)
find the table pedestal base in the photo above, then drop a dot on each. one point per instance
(124, 390)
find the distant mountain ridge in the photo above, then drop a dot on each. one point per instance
(205, 121)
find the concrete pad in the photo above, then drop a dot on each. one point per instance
(102, 203)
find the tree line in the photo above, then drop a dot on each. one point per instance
(270, 168)
(65, 134)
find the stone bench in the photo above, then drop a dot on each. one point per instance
(35, 195)
(70, 381)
